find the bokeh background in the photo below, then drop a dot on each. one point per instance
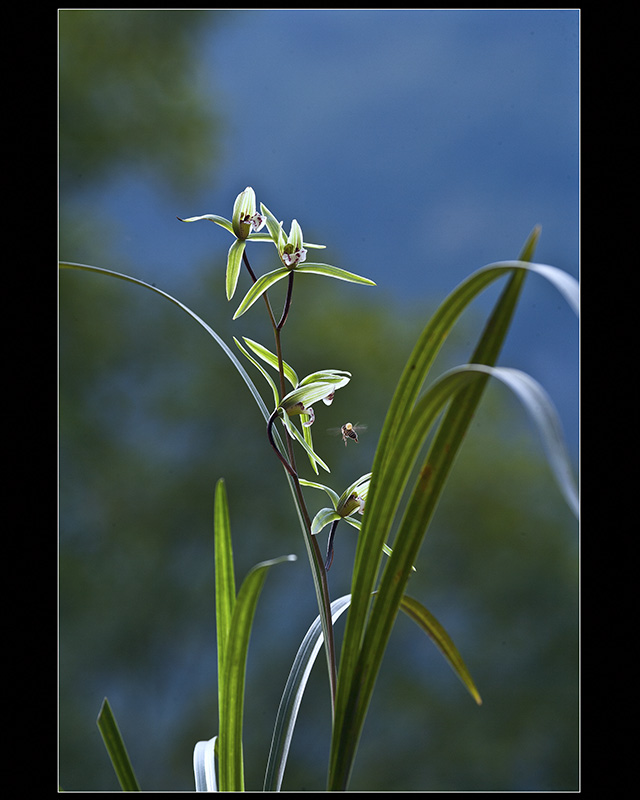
(418, 146)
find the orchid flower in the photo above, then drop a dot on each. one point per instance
(352, 500)
(300, 401)
(245, 224)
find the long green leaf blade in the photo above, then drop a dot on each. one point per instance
(411, 381)
(230, 735)
(361, 656)
(292, 697)
(313, 552)
(225, 586)
(305, 659)
(542, 411)
(430, 625)
(204, 766)
(116, 748)
(421, 506)
(417, 515)
(228, 352)
(414, 375)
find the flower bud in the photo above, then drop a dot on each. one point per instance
(244, 213)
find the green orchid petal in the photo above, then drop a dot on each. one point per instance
(212, 218)
(334, 272)
(333, 495)
(276, 396)
(274, 227)
(306, 433)
(307, 395)
(272, 360)
(259, 288)
(337, 376)
(326, 515)
(323, 518)
(295, 434)
(359, 487)
(234, 262)
(259, 237)
(349, 506)
(277, 235)
(295, 235)
(357, 524)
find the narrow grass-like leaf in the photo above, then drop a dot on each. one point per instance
(116, 748)
(363, 646)
(292, 697)
(266, 413)
(383, 498)
(313, 552)
(305, 659)
(442, 640)
(204, 766)
(365, 639)
(225, 585)
(543, 413)
(228, 352)
(417, 426)
(231, 768)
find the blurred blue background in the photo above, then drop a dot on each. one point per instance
(426, 143)
(418, 146)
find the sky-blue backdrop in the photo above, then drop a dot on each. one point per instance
(418, 145)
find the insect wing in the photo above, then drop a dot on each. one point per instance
(334, 431)
(347, 431)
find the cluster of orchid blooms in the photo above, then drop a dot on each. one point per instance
(245, 225)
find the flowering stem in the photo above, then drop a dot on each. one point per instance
(286, 464)
(276, 330)
(315, 556)
(287, 302)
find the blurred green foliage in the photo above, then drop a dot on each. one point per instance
(152, 414)
(130, 94)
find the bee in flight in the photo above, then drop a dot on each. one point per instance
(348, 431)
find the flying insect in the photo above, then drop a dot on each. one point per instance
(348, 431)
